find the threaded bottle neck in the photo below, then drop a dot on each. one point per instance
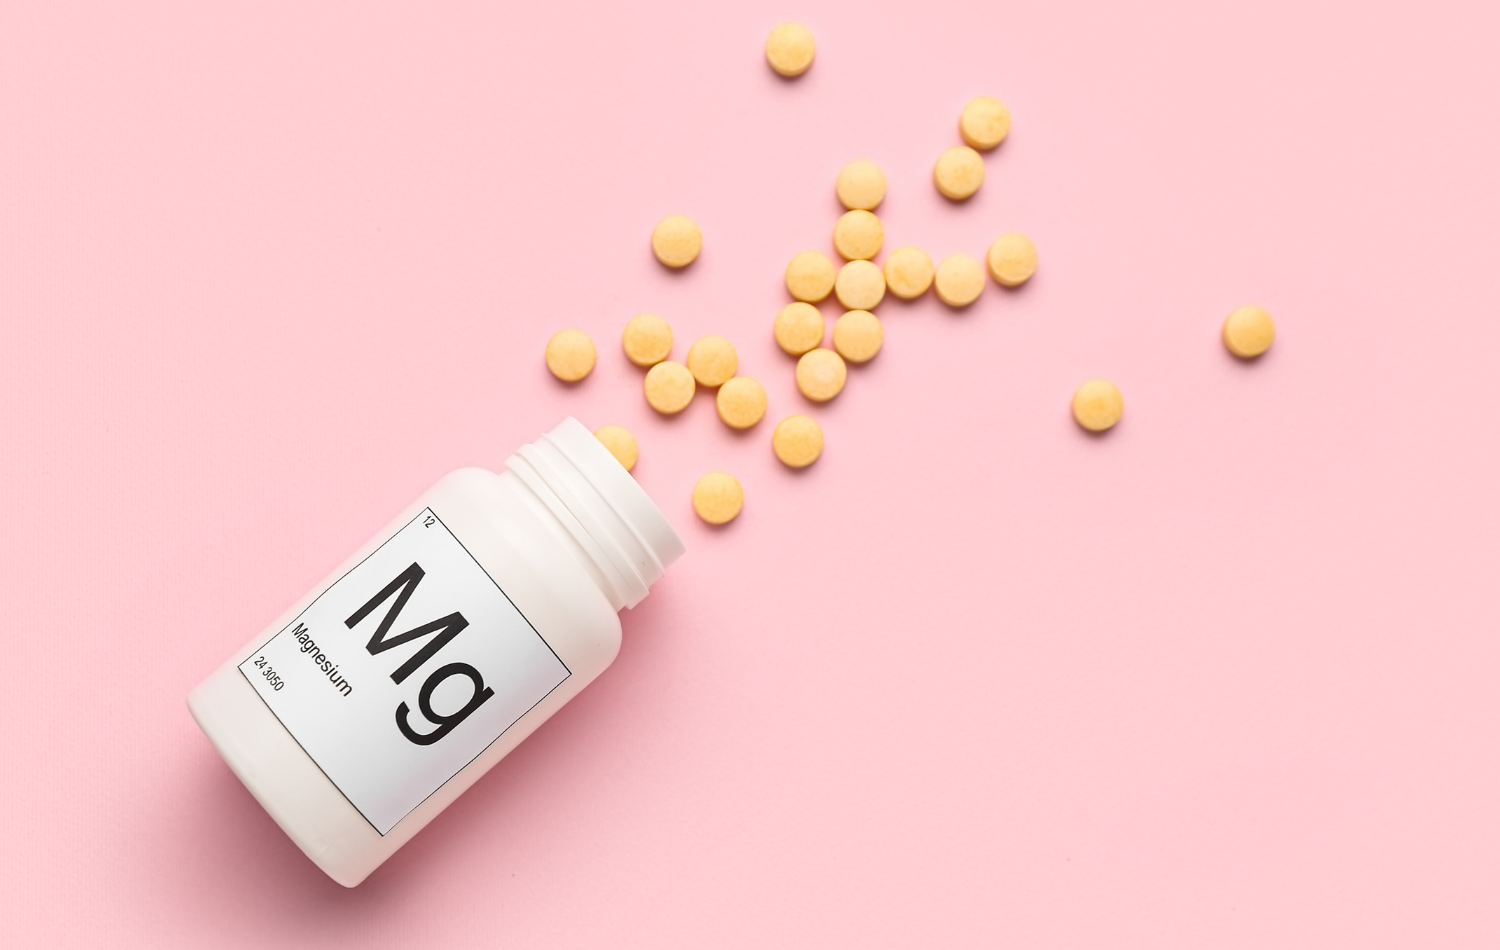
(627, 540)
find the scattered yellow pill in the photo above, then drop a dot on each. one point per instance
(1098, 405)
(959, 280)
(860, 285)
(1249, 332)
(861, 186)
(647, 339)
(810, 276)
(985, 122)
(712, 360)
(858, 236)
(857, 336)
(1012, 260)
(958, 173)
(741, 402)
(821, 374)
(799, 328)
(570, 355)
(790, 48)
(621, 445)
(797, 441)
(669, 387)
(908, 272)
(718, 497)
(676, 241)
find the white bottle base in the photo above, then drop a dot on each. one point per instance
(284, 780)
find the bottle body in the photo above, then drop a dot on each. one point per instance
(375, 701)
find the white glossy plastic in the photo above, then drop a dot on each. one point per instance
(569, 536)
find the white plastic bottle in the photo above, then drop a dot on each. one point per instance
(383, 694)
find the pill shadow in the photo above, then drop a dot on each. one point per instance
(679, 417)
(744, 435)
(1246, 363)
(676, 273)
(719, 528)
(963, 311)
(799, 472)
(990, 291)
(1019, 290)
(955, 202)
(1090, 433)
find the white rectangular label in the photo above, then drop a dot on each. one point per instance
(404, 670)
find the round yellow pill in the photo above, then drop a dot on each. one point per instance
(797, 441)
(810, 276)
(790, 48)
(621, 445)
(860, 285)
(959, 280)
(821, 374)
(1098, 405)
(1249, 332)
(958, 173)
(908, 272)
(858, 236)
(741, 402)
(712, 360)
(718, 497)
(984, 123)
(799, 328)
(857, 336)
(669, 387)
(861, 186)
(1012, 260)
(570, 355)
(647, 339)
(676, 241)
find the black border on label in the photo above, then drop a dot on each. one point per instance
(293, 622)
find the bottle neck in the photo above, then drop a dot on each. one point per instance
(624, 539)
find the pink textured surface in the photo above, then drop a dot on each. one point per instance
(1225, 677)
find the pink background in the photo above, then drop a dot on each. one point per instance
(1225, 677)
